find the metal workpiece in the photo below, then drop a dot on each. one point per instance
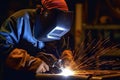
(60, 77)
(83, 75)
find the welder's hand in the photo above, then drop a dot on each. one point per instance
(43, 67)
(67, 58)
(48, 58)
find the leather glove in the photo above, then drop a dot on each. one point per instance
(19, 59)
(43, 67)
(47, 58)
(50, 60)
(67, 59)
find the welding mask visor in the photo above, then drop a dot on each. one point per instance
(52, 24)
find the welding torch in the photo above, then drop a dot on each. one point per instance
(53, 63)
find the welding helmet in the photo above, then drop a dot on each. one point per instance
(52, 24)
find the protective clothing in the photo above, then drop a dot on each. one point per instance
(59, 4)
(52, 24)
(17, 32)
(19, 46)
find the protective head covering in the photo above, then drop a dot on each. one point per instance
(59, 4)
(53, 22)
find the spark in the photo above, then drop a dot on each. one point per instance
(87, 56)
(66, 72)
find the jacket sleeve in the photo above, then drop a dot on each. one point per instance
(8, 36)
(19, 59)
(15, 58)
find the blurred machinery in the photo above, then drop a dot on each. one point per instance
(102, 11)
(101, 22)
(98, 20)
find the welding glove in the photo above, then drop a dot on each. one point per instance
(43, 67)
(50, 60)
(19, 59)
(67, 59)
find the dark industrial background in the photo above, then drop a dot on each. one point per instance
(100, 19)
(94, 11)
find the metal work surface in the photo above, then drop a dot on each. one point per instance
(83, 75)
(60, 77)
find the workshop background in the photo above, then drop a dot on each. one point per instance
(103, 16)
(94, 21)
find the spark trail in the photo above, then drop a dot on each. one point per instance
(89, 57)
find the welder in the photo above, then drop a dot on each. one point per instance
(24, 34)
